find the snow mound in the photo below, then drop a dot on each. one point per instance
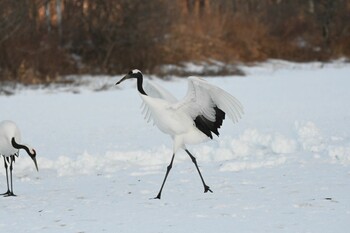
(340, 154)
(252, 149)
(310, 137)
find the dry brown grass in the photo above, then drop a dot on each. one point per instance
(111, 37)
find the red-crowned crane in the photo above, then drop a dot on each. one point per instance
(191, 120)
(10, 144)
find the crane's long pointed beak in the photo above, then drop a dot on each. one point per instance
(36, 165)
(124, 78)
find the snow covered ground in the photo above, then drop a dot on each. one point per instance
(285, 167)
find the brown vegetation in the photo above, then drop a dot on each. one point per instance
(43, 39)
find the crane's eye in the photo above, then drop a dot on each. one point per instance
(33, 152)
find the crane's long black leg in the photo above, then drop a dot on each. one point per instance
(7, 179)
(206, 187)
(166, 176)
(12, 158)
(10, 193)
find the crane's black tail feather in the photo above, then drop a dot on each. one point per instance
(207, 126)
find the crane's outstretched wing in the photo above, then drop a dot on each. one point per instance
(208, 105)
(152, 89)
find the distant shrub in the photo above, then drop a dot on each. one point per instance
(42, 40)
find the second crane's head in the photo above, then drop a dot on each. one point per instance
(30, 151)
(135, 73)
(32, 154)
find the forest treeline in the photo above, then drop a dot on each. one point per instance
(43, 39)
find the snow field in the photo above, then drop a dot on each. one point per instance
(283, 168)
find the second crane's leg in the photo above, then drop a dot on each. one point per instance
(166, 176)
(7, 178)
(206, 187)
(11, 168)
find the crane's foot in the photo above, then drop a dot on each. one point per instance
(157, 197)
(6, 193)
(206, 189)
(9, 194)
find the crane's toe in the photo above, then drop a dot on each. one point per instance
(9, 194)
(206, 189)
(6, 193)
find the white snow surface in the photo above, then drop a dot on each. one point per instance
(285, 167)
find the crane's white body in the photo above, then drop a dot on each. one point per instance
(10, 138)
(176, 118)
(178, 124)
(191, 120)
(8, 130)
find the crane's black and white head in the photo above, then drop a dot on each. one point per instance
(135, 73)
(30, 151)
(32, 154)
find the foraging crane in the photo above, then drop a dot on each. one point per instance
(191, 120)
(10, 144)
